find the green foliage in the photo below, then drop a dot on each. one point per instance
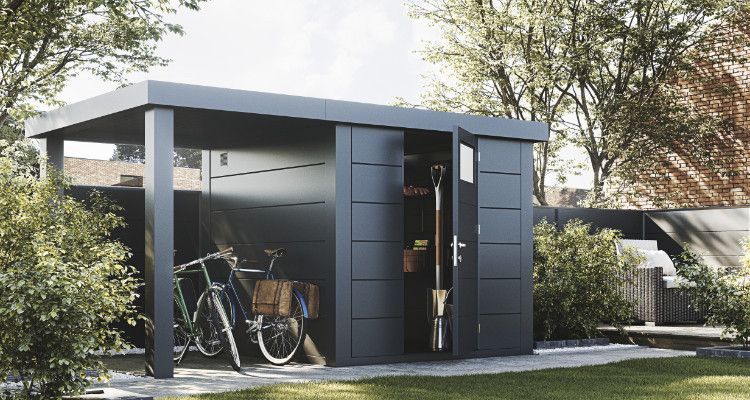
(722, 294)
(43, 43)
(602, 73)
(14, 146)
(63, 281)
(576, 279)
(188, 158)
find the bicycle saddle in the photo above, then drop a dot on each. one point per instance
(275, 253)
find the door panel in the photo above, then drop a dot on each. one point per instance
(462, 243)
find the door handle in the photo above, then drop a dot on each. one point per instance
(457, 258)
(454, 245)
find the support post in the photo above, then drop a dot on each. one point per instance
(159, 235)
(54, 149)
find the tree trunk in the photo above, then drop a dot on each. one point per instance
(539, 189)
(541, 157)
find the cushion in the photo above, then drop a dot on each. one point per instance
(658, 258)
(673, 282)
(636, 244)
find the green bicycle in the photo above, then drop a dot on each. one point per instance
(203, 322)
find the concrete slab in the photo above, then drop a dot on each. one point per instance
(695, 331)
(194, 380)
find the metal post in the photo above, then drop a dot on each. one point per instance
(159, 196)
(54, 149)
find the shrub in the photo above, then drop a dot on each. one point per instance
(722, 294)
(63, 283)
(576, 281)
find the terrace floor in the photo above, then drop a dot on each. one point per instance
(201, 375)
(678, 337)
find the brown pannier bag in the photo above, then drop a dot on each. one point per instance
(272, 297)
(311, 294)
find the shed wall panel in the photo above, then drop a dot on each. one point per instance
(500, 226)
(377, 337)
(498, 155)
(277, 191)
(499, 190)
(499, 331)
(377, 299)
(377, 260)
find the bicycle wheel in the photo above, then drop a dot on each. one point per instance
(181, 336)
(281, 337)
(208, 325)
(226, 330)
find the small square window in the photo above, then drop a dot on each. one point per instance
(223, 159)
(466, 163)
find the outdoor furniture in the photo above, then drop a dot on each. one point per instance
(659, 298)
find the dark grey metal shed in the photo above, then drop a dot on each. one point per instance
(325, 179)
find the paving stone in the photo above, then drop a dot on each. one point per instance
(218, 377)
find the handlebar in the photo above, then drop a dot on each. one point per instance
(219, 254)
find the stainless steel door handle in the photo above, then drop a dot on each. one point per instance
(457, 258)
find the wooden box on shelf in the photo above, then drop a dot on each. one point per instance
(415, 260)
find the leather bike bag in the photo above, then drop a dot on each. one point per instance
(272, 297)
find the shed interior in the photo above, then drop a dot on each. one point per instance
(421, 151)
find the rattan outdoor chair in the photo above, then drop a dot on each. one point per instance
(657, 300)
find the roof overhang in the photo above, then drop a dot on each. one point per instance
(117, 117)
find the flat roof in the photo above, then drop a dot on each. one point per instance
(116, 116)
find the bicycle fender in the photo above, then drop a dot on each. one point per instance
(302, 301)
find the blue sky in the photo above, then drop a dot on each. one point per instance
(350, 50)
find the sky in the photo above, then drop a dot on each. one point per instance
(339, 49)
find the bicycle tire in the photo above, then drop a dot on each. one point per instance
(282, 351)
(207, 322)
(180, 333)
(234, 354)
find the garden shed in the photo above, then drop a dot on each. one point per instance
(330, 181)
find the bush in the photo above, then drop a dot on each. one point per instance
(721, 294)
(63, 282)
(576, 279)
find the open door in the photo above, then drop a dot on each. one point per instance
(463, 246)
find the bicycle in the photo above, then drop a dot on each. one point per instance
(209, 327)
(279, 338)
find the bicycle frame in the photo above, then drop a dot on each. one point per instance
(182, 272)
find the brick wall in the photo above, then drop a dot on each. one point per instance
(89, 172)
(719, 88)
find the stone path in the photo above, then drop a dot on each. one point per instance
(219, 377)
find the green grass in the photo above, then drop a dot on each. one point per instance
(682, 378)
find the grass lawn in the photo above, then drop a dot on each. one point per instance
(665, 378)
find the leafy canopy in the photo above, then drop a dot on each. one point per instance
(45, 42)
(63, 281)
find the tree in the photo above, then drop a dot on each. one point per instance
(502, 61)
(602, 73)
(188, 158)
(63, 281)
(45, 42)
(627, 56)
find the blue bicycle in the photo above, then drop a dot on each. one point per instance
(279, 338)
